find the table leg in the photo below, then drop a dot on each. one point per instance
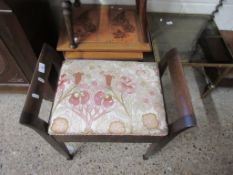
(67, 13)
(142, 8)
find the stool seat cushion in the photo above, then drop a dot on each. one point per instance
(96, 97)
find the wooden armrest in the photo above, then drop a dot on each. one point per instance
(43, 85)
(182, 97)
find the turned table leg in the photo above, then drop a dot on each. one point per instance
(212, 85)
(137, 5)
(77, 3)
(142, 8)
(67, 13)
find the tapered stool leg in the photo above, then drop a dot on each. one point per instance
(156, 147)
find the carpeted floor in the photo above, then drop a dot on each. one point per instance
(204, 150)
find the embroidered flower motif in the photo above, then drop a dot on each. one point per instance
(126, 85)
(146, 98)
(79, 97)
(84, 97)
(146, 101)
(152, 93)
(101, 98)
(83, 86)
(94, 83)
(60, 125)
(78, 77)
(117, 127)
(98, 98)
(61, 82)
(108, 101)
(108, 79)
(74, 99)
(150, 121)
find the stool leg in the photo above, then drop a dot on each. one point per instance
(41, 129)
(60, 147)
(156, 147)
(150, 151)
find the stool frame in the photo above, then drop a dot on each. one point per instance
(43, 86)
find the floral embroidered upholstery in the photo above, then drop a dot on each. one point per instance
(108, 98)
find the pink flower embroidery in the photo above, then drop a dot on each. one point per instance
(79, 97)
(84, 97)
(152, 93)
(100, 98)
(126, 85)
(84, 86)
(108, 101)
(146, 100)
(94, 83)
(74, 99)
(78, 77)
(62, 81)
(108, 79)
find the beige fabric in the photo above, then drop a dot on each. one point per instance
(108, 98)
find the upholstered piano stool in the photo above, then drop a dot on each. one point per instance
(106, 101)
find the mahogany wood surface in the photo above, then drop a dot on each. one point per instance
(183, 102)
(105, 28)
(104, 55)
(180, 88)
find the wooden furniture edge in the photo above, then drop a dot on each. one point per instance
(14, 88)
(141, 7)
(104, 55)
(182, 96)
(36, 93)
(42, 88)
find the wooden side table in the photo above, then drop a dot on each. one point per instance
(215, 56)
(104, 31)
(218, 49)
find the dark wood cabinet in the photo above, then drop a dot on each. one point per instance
(17, 59)
(10, 72)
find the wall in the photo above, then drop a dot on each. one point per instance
(223, 19)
